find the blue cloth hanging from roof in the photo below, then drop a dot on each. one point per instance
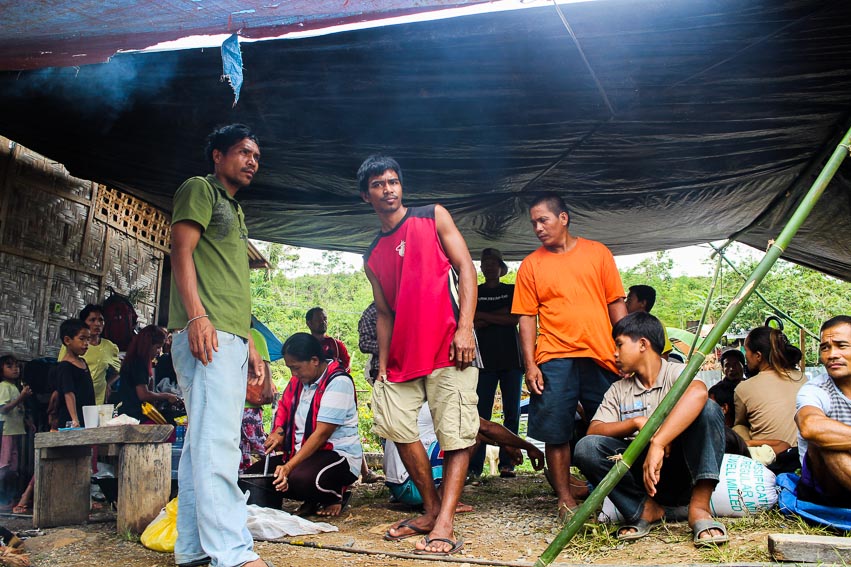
(273, 342)
(232, 65)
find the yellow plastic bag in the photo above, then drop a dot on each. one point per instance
(161, 534)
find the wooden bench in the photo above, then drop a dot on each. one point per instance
(63, 469)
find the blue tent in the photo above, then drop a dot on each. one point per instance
(273, 342)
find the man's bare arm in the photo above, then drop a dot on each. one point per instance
(617, 311)
(203, 339)
(258, 374)
(498, 317)
(528, 334)
(823, 431)
(463, 349)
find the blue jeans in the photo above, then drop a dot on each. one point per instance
(510, 384)
(695, 455)
(211, 512)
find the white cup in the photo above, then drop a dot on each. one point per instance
(104, 413)
(90, 416)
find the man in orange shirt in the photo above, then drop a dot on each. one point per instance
(568, 295)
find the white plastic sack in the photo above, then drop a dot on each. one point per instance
(269, 524)
(745, 487)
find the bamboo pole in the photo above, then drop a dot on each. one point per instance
(705, 308)
(635, 448)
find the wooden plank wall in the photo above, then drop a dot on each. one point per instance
(57, 255)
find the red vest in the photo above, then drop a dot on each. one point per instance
(285, 416)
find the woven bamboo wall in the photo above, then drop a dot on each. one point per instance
(64, 242)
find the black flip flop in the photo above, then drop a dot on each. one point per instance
(415, 531)
(456, 547)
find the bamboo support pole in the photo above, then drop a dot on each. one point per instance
(775, 249)
(705, 308)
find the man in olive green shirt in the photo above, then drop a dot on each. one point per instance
(210, 314)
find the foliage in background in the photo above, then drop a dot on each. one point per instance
(282, 295)
(808, 296)
(280, 300)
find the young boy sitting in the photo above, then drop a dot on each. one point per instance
(681, 465)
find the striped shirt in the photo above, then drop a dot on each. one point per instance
(338, 408)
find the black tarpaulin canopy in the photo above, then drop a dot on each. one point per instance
(691, 121)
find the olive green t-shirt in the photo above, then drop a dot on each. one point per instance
(221, 256)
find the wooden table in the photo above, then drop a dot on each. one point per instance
(63, 470)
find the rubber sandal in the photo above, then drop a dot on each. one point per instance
(641, 526)
(565, 513)
(701, 526)
(456, 547)
(372, 478)
(415, 531)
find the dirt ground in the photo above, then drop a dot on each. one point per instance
(513, 521)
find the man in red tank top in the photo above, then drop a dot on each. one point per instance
(317, 322)
(424, 284)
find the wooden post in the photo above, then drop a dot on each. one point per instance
(45, 311)
(803, 338)
(63, 474)
(61, 493)
(144, 484)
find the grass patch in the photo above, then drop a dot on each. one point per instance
(129, 535)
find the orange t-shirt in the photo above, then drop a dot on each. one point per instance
(570, 294)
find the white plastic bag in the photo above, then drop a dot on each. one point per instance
(746, 487)
(271, 524)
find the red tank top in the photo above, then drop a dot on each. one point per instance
(421, 288)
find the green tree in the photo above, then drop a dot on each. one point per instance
(806, 295)
(280, 302)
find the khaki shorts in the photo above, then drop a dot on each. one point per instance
(452, 399)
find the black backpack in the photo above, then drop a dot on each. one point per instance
(120, 319)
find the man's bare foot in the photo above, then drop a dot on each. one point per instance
(699, 511)
(438, 544)
(256, 563)
(695, 515)
(578, 488)
(462, 508)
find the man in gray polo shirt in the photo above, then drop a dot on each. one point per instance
(682, 463)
